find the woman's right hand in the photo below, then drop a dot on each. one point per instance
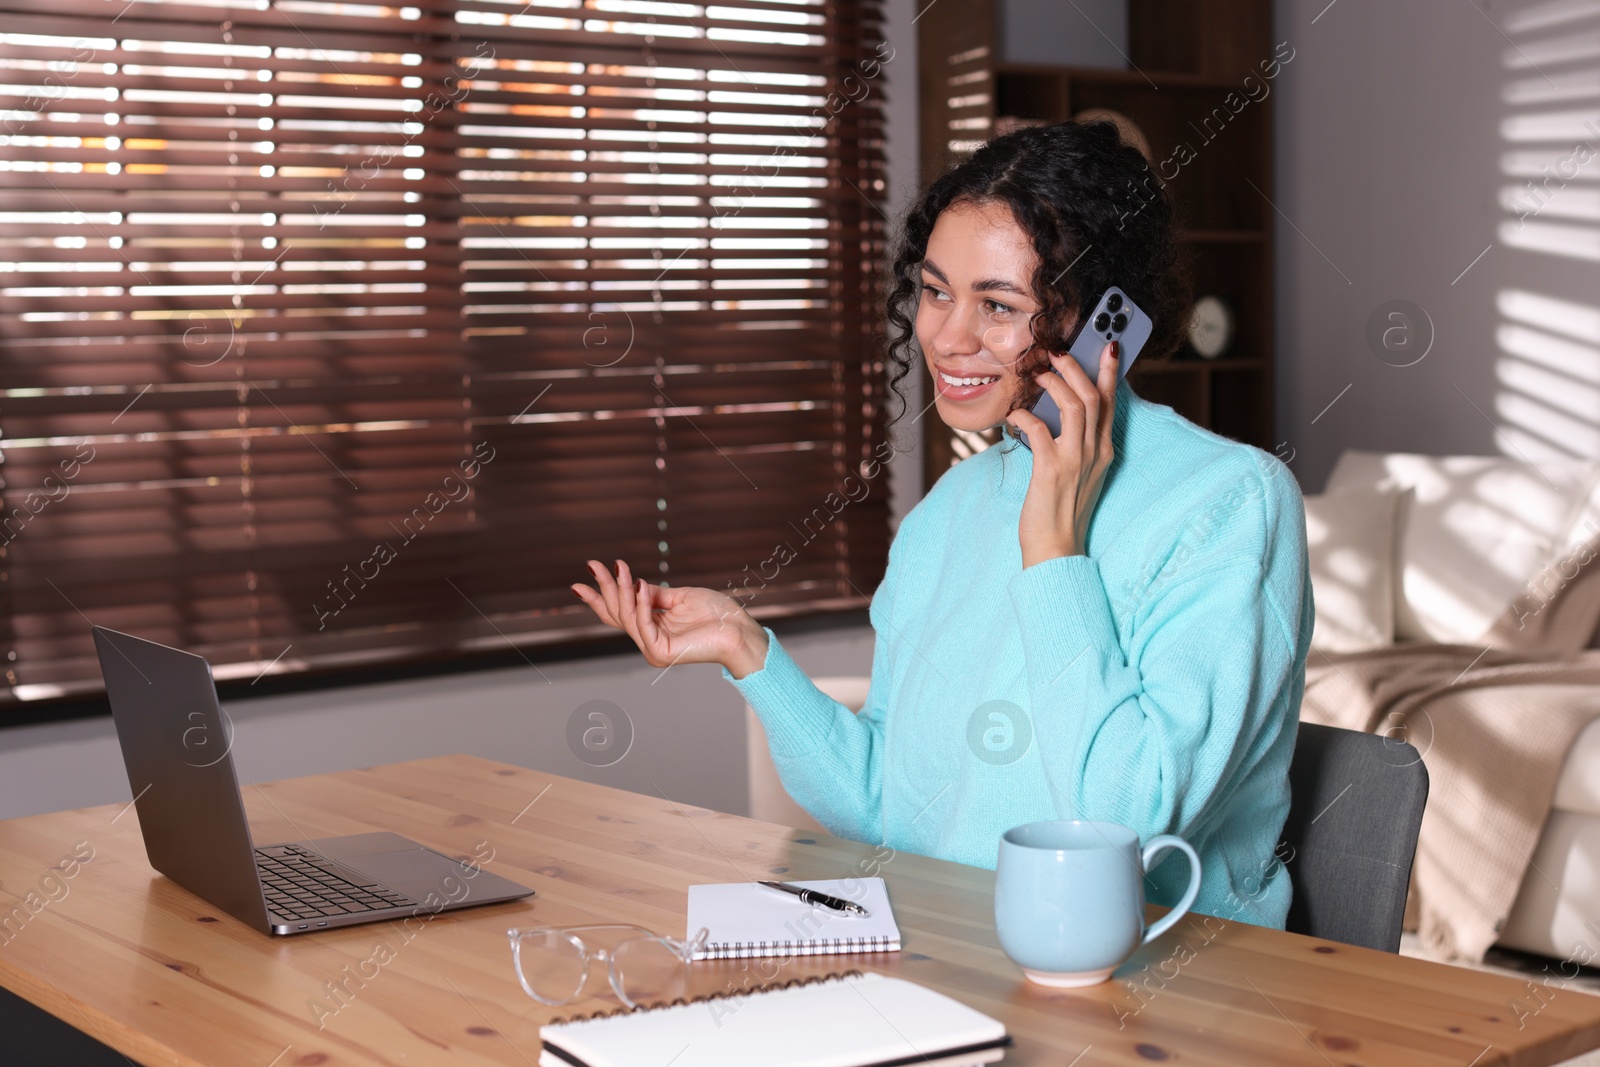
(676, 625)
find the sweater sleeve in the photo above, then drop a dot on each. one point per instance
(829, 758)
(1151, 736)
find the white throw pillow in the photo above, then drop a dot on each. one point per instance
(1470, 535)
(1585, 525)
(1351, 536)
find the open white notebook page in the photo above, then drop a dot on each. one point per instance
(743, 915)
(853, 1021)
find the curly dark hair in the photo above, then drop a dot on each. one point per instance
(1097, 216)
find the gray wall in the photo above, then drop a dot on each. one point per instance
(1392, 125)
(689, 724)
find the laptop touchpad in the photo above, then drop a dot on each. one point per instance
(419, 873)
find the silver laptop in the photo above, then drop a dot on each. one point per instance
(177, 744)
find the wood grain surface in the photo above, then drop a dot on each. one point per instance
(127, 956)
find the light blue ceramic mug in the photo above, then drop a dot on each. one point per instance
(1069, 898)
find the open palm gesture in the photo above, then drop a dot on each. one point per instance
(672, 624)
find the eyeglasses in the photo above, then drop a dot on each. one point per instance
(552, 962)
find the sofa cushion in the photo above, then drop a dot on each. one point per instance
(1555, 907)
(1585, 524)
(1350, 536)
(1558, 610)
(1578, 788)
(1471, 533)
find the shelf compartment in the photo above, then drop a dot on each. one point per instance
(1240, 408)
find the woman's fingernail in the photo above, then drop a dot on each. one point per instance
(575, 591)
(1116, 349)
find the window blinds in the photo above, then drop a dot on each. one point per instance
(337, 333)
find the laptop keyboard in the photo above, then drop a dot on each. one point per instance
(296, 888)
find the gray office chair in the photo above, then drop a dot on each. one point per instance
(1354, 812)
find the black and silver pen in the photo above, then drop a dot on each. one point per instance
(818, 898)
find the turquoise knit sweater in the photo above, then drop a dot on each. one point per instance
(1154, 682)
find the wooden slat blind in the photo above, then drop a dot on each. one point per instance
(333, 333)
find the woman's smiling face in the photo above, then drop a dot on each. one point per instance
(974, 312)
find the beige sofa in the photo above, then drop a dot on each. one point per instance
(769, 801)
(1469, 536)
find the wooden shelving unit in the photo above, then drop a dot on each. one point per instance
(1183, 68)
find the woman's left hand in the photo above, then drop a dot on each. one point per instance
(1068, 470)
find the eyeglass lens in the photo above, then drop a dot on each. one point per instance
(552, 965)
(646, 971)
(643, 969)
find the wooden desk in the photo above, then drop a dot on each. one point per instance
(128, 957)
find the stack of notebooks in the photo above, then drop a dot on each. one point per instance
(837, 1020)
(848, 1020)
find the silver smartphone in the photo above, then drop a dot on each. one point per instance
(1115, 318)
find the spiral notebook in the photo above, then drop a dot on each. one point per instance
(746, 919)
(838, 1020)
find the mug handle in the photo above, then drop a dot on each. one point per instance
(1153, 851)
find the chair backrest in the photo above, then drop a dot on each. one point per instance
(1355, 809)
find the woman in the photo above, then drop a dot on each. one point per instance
(1112, 625)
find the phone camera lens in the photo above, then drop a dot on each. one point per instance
(1119, 323)
(1114, 302)
(1101, 322)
